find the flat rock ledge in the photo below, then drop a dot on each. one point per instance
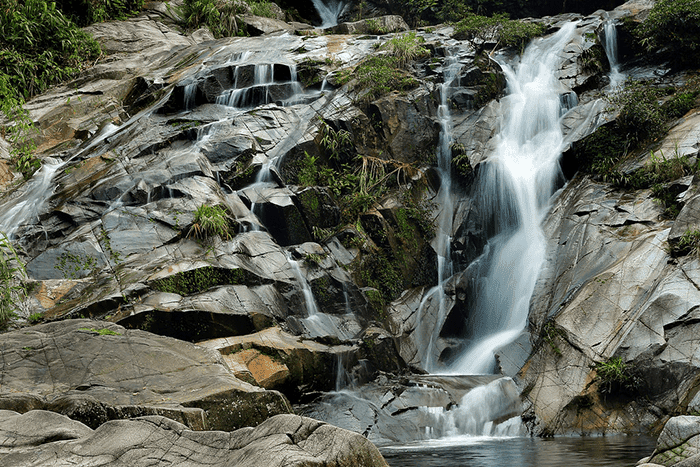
(40, 438)
(95, 371)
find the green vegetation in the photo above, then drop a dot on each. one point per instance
(381, 74)
(314, 260)
(406, 48)
(376, 301)
(39, 46)
(210, 221)
(675, 26)
(614, 377)
(550, 334)
(262, 8)
(101, 332)
(221, 16)
(477, 30)
(199, 280)
(35, 318)
(85, 12)
(644, 118)
(74, 266)
(11, 292)
(688, 244)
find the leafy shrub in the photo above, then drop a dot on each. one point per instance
(415, 11)
(35, 318)
(687, 245)
(308, 170)
(679, 104)
(675, 25)
(641, 116)
(39, 46)
(210, 221)
(660, 169)
(262, 8)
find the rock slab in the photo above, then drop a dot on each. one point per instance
(283, 440)
(95, 371)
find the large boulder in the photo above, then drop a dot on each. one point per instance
(94, 371)
(677, 445)
(42, 438)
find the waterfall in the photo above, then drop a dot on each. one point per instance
(329, 11)
(271, 82)
(513, 189)
(445, 219)
(610, 35)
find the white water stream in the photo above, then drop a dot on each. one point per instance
(513, 189)
(617, 78)
(446, 201)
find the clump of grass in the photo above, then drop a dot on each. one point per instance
(688, 244)
(406, 48)
(382, 74)
(35, 318)
(210, 221)
(615, 377)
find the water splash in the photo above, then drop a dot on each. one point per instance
(513, 189)
(329, 11)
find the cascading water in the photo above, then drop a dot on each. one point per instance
(513, 189)
(317, 324)
(610, 33)
(446, 217)
(329, 11)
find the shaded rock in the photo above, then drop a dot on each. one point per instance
(318, 207)
(280, 441)
(379, 25)
(278, 212)
(295, 365)
(110, 365)
(407, 124)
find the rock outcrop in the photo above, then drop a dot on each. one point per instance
(45, 438)
(95, 371)
(677, 445)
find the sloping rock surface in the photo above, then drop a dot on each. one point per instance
(40, 438)
(94, 371)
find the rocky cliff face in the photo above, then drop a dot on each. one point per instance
(322, 269)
